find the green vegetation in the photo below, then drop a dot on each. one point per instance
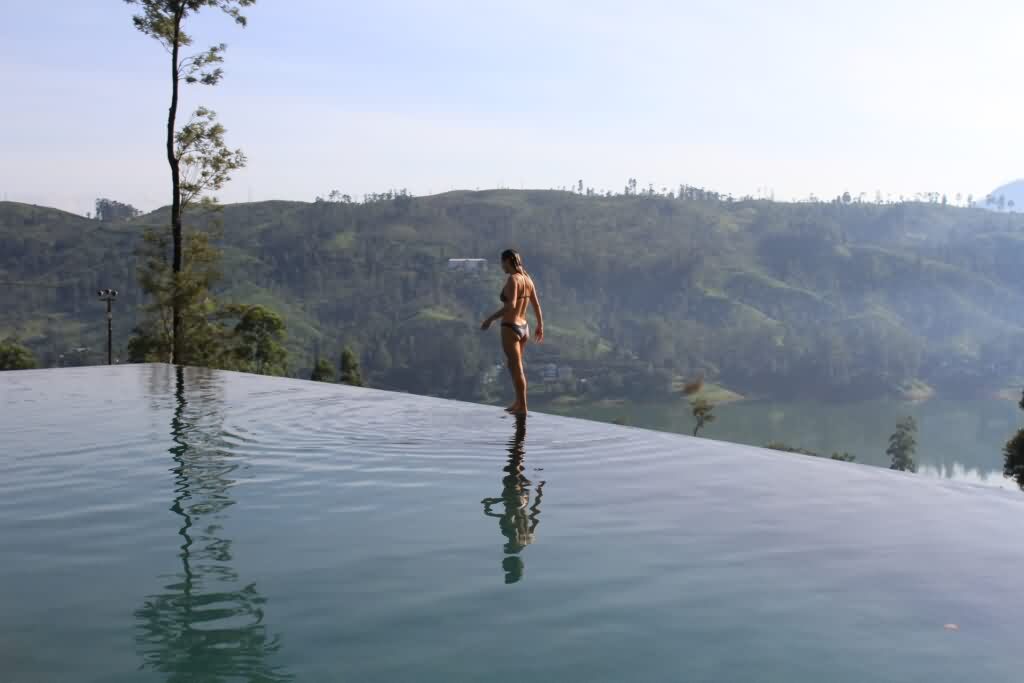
(844, 456)
(186, 293)
(1013, 458)
(350, 373)
(181, 322)
(323, 371)
(702, 410)
(903, 445)
(14, 356)
(256, 340)
(837, 301)
(1013, 454)
(243, 337)
(199, 160)
(111, 211)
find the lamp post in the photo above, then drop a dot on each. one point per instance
(109, 295)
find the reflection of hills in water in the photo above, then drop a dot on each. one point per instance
(207, 625)
(955, 437)
(518, 522)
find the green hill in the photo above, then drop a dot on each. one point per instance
(824, 299)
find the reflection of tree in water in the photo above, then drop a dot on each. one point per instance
(518, 523)
(206, 625)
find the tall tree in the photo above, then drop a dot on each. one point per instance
(188, 293)
(903, 445)
(199, 146)
(350, 373)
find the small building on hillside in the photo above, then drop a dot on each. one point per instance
(467, 265)
(78, 357)
(549, 372)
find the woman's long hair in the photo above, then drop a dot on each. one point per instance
(513, 256)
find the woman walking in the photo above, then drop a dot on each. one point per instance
(518, 292)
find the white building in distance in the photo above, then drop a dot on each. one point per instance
(468, 265)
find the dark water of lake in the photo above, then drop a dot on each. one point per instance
(960, 440)
(164, 524)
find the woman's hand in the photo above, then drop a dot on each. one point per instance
(486, 324)
(539, 334)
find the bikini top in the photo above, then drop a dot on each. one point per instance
(504, 299)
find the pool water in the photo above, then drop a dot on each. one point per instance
(168, 524)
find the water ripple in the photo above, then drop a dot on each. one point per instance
(202, 525)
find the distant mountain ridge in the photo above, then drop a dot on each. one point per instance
(823, 299)
(1008, 197)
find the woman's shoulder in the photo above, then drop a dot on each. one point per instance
(520, 280)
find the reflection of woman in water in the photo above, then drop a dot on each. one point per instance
(518, 293)
(518, 523)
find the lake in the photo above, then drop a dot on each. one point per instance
(960, 440)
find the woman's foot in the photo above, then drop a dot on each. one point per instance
(512, 408)
(517, 409)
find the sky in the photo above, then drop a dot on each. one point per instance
(793, 97)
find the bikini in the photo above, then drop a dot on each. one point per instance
(522, 331)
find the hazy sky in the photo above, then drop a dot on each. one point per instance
(799, 96)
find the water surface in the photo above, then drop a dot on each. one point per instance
(162, 524)
(957, 439)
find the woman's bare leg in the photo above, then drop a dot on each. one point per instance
(522, 367)
(514, 356)
(510, 362)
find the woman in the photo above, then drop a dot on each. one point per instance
(517, 293)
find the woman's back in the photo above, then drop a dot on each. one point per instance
(519, 288)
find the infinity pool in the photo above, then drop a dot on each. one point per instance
(161, 524)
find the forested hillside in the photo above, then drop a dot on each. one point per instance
(824, 299)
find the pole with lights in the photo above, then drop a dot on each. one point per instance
(109, 295)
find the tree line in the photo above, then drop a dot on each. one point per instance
(633, 188)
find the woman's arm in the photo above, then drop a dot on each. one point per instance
(535, 303)
(491, 318)
(509, 305)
